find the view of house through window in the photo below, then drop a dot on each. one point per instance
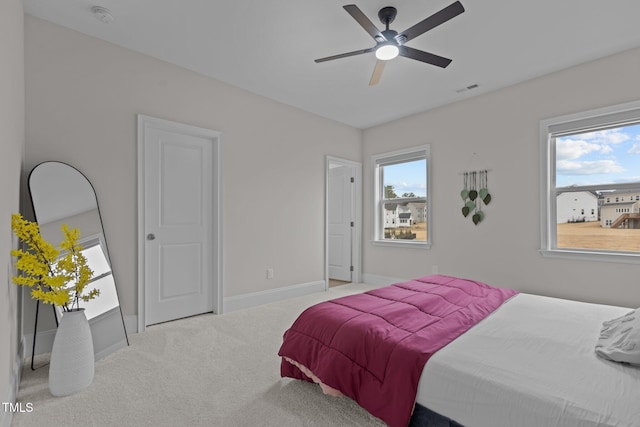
(597, 188)
(401, 201)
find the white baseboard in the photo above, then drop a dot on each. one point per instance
(44, 342)
(131, 323)
(6, 417)
(253, 299)
(376, 280)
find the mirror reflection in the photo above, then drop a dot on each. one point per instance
(61, 194)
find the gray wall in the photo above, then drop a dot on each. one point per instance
(502, 129)
(11, 155)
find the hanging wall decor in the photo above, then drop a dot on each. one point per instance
(474, 194)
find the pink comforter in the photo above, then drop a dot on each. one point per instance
(372, 346)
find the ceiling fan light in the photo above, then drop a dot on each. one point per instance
(387, 52)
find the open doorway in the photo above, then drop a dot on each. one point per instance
(343, 221)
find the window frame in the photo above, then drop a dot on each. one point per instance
(394, 157)
(601, 118)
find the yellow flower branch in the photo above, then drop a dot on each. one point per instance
(53, 279)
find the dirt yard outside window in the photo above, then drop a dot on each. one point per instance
(420, 230)
(589, 235)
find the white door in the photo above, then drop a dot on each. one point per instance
(178, 222)
(340, 221)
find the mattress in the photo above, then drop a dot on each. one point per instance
(373, 346)
(532, 363)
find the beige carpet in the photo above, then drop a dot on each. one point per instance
(202, 371)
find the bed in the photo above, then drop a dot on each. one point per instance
(519, 360)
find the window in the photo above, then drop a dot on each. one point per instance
(402, 208)
(93, 249)
(591, 162)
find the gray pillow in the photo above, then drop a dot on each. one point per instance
(620, 339)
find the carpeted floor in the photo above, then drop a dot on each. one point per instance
(206, 370)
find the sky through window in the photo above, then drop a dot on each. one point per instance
(408, 177)
(608, 156)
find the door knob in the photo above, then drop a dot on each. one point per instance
(151, 236)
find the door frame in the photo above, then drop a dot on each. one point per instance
(216, 285)
(356, 203)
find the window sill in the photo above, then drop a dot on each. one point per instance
(400, 244)
(587, 255)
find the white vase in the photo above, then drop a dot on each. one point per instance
(72, 360)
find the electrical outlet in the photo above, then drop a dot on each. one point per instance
(269, 273)
(434, 269)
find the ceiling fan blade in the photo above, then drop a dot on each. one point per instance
(364, 22)
(377, 72)
(433, 21)
(423, 56)
(345, 55)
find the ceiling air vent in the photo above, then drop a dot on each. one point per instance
(466, 88)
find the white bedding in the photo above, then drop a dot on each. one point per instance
(530, 364)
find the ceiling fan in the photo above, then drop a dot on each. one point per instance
(390, 43)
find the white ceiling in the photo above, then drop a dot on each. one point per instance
(268, 47)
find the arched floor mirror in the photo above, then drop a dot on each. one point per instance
(60, 194)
